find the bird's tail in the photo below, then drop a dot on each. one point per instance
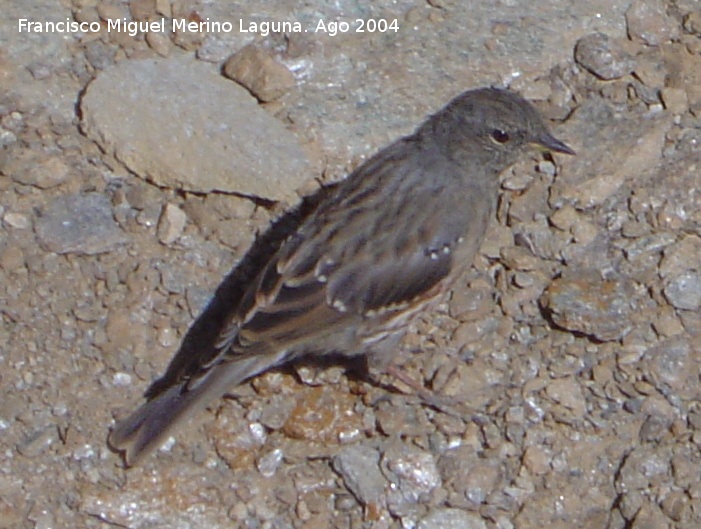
(143, 431)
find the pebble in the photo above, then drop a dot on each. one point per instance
(179, 124)
(164, 8)
(11, 257)
(674, 505)
(642, 465)
(547, 168)
(672, 364)
(603, 56)
(188, 40)
(268, 464)
(568, 393)
(592, 180)
(650, 517)
(528, 205)
(544, 242)
(651, 71)
(108, 11)
(692, 23)
(87, 14)
(399, 419)
(358, 466)
(230, 206)
(470, 478)
(121, 379)
(471, 303)
(322, 415)
(648, 22)
(197, 299)
(237, 446)
(675, 100)
(256, 70)
(447, 518)
(647, 244)
(584, 232)
(36, 169)
(7, 138)
(159, 42)
(38, 441)
(634, 229)
(142, 9)
(667, 323)
(79, 223)
(150, 215)
(565, 217)
(684, 290)
(678, 257)
(517, 182)
(171, 224)
(167, 337)
(585, 302)
(19, 221)
(412, 471)
(537, 460)
(518, 258)
(277, 410)
(100, 55)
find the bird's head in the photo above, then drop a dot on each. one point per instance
(493, 126)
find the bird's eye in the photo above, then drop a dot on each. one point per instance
(500, 136)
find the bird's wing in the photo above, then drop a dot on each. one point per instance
(374, 249)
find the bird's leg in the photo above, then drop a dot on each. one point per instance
(442, 404)
(377, 365)
(400, 374)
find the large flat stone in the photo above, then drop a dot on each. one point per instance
(177, 123)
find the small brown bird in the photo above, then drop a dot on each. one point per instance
(385, 244)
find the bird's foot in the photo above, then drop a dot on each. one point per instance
(440, 403)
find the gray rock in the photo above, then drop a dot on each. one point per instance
(179, 124)
(648, 21)
(268, 464)
(257, 70)
(640, 467)
(684, 291)
(19, 221)
(451, 519)
(80, 223)
(603, 57)
(472, 479)
(692, 23)
(414, 474)
(647, 244)
(36, 169)
(584, 302)
(680, 257)
(359, 467)
(276, 411)
(37, 442)
(171, 224)
(592, 180)
(197, 299)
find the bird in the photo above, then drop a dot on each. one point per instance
(384, 245)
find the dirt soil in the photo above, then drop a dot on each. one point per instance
(571, 349)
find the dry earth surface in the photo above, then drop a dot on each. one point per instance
(136, 171)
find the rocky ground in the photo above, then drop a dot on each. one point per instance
(136, 172)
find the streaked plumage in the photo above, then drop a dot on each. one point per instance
(384, 245)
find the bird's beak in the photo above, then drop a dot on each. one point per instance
(549, 143)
